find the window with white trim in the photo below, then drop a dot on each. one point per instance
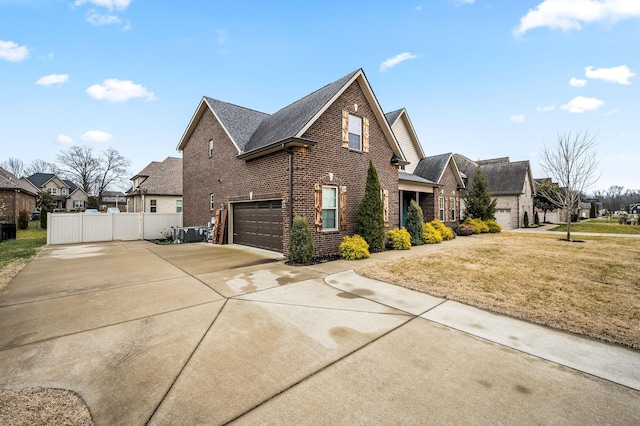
(329, 208)
(78, 204)
(453, 208)
(212, 205)
(63, 190)
(442, 208)
(178, 206)
(52, 191)
(355, 132)
(153, 206)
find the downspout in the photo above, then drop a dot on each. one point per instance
(518, 209)
(290, 152)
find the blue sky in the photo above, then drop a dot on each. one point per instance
(482, 78)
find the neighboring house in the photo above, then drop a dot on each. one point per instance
(445, 202)
(157, 188)
(15, 195)
(509, 182)
(113, 199)
(634, 208)
(310, 158)
(67, 195)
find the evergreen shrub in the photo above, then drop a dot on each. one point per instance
(430, 235)
(301, 242)
(398, 239)
(23, 219)
(370, 216)
(477, 225)
(413, 223)
(446, 232)
(353, 248)
(494, 227)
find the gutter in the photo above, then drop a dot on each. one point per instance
(276, 146)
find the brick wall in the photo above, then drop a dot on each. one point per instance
(230, 179)
(11, 202)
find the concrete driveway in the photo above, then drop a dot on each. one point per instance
(202, 334)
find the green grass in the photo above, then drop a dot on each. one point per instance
(24, 247)
(600, 226)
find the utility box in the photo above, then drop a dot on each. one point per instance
(7, 231)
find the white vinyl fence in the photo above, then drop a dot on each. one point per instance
(69, 228)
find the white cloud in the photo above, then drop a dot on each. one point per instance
(114, 90)
(48, 80)
(517, 118)
(98, 19)
(580, 104)
(577, 82)
(464, 1)
(392, 62)
(222, 36)
(13, 52)
(546, 108)
(620, 74)
(418, 8)
(64, 139)
(569, 15)
(109, 4)
(96, 136)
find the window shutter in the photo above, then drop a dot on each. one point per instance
(318, 204)
(342, 206)
(365, 134)
(385, 203)
(345, 129)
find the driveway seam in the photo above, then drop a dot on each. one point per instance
(307, 377)
(400, 311)
(186, 362)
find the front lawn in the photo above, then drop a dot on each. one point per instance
(590, 288)
(600, 226)
(14, 254)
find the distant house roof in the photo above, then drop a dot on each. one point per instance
(253, 132)
(504, 177)
(10, 181)
(161, 177)
(40, 179)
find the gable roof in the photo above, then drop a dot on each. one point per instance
(434, 167)
(10, 181)
(504, 177)
(401, 114)
(40, 179)
(254, 133)
(162, 177)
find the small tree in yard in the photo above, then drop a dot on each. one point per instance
(46, 203)
(92, 202)
(23, 219)
(479, 204)
(370, 217)
(525, 220)
(413, 223)
(301, 243)
(573, 164)
(541, 201)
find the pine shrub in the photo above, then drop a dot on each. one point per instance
(413, 224)
(525, 220)
(354, 248)
(301, 242)
(398, 239)
(446, 232)
(43, 217)
(430, 235)
(536, 218)
(370, 216)
(23, 219)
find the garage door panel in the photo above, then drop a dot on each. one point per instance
(258, 224)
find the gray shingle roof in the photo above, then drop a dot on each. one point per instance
(9, 181)
(39, 179)
(414, 178)
(163, 177)
(504, 177)
(240, 122)
(432, 167)
(290, 120)
(393, 116)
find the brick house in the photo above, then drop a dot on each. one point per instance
(445, 201)
(15, 195)
(157, 188)
(509, 182)
(310, 158)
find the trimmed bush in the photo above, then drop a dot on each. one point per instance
(463, 230)
(494, 227)
(525, 220)
(370, 216)
(301, 242)
(43, 217)
(430, 235)
(398, 239)
(478, 225)
(353, 248)
(23, 219)
(446, 232)
(413, 224)
(536, 218)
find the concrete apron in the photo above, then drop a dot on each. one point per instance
(199, 334)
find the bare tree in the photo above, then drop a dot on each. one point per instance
(79, 165)
(93, 173)
(14, 166)
(572, 162)
(40, 166)
(113, 169)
